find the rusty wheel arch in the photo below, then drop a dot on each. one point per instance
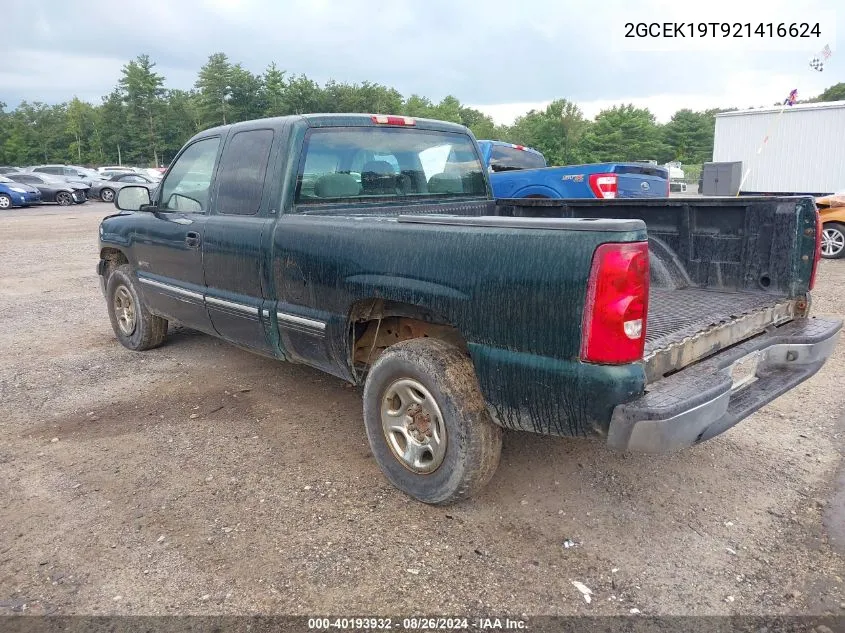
(376, 324)
(114, 257)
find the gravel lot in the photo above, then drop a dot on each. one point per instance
(200, 479)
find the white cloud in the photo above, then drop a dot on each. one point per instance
(508, 56)
(743, 89)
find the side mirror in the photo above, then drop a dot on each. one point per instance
(132, 198)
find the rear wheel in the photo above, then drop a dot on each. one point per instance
(833, 240)
(427, 422)
(106, 195)
(5, 202)
(64, 199)
(135, 327)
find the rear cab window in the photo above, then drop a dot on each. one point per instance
(386, 164)
(243, 169)
(504, 158)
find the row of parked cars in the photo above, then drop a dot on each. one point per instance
(68, 184)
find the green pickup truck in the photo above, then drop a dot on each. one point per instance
(370, 247)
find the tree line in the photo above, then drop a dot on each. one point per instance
(142, 122)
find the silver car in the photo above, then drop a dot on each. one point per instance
(106, 188)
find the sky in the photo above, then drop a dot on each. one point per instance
(503, 57)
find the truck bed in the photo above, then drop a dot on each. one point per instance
(723, 270)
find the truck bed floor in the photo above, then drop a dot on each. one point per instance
(674, 314)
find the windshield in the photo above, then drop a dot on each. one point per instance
(401, 163)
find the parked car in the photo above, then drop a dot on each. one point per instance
(517, 171)
(832, 212)
(54, 188)
(105, 188)
(461, 314)
(115, 168)
(10, 170)
(17, 194)
(68, 172)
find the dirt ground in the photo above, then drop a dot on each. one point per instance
(200, 479)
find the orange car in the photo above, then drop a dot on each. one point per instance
(832, 211)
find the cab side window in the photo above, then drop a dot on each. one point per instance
(243, 168)
(187, 186)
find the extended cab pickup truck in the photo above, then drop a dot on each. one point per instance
(345, 243)
(517, 171)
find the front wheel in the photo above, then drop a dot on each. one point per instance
(427, 422)
(107, 195)
(63, 198)
(833, 240)
(133, 324)
(5, 202)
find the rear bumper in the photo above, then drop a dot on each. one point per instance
(701, 401)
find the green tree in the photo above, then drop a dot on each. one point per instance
(79, 125)
(181, 121)
(482, 125)
(417, 106)
(274, 91)
(114, 128)
(625, 133)
(246, 92)
(689, 136)
(449, 109)
(302, 95)
(557, 132)
(214, 86)
(142, 90)
(835, 93)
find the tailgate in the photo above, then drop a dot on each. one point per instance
(641, 181)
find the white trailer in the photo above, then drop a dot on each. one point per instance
(804, 153)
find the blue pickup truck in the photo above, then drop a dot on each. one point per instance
(371, 247)
(517, 171)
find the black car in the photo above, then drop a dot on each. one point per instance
(54, 189)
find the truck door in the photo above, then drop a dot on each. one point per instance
(169, 239)
(235, 234)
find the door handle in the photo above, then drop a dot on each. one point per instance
(192, 239)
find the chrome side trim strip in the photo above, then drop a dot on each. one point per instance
(240, 307)
(168, 287)
(302, 321)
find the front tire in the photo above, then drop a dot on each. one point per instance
(427, 422)
(833, 240)
(64, 199)
(133, 324)
(5, 202)
(106, 195)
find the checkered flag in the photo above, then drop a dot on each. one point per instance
(817, 64)
(826, 52)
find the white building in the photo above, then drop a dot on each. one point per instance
(804, 153)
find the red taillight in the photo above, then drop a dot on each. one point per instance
(519, 147)
(384, 119)
(818, 254)
(603, 185)
(614, 322)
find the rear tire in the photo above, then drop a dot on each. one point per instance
(133, 324)
(5, 202)
(427, 422)
(833, 240)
